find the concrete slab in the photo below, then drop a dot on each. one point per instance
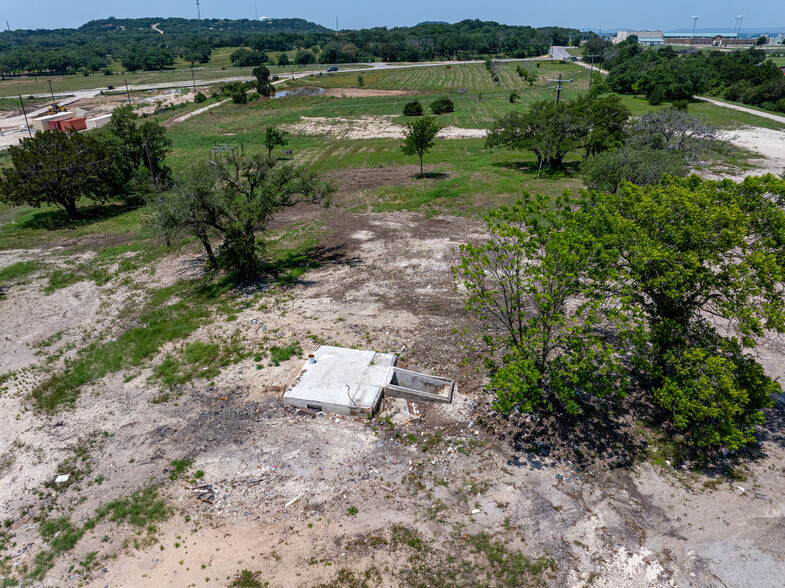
(345, 381)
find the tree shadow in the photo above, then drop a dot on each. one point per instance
(432, 176)
(603, 433)
(290, 269)
(53, 220)
(532, 168)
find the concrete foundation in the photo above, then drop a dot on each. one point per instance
(346, 381)
(352, 382)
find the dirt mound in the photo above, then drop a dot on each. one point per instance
(370, 127)
(363, 93)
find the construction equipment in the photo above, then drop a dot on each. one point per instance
(55, 109)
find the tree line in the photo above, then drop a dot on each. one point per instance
(138, 46)
(664, 74)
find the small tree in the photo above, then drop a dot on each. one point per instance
(442, 106)
(199, 98)
(283, 59)
(263, 84)
(239, 94)
(640, 165)
(413, 109)
(273, 138)
(548, 129)
(360, 80)
(419, 137)
(234, 199)
(672, 129)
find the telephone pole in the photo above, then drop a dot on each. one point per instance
(591, 71)
(559, 82)
(52, 93)
(27, 124)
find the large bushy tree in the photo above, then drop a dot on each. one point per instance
(60, 168)
(540, 318)
(702, 262)
(552, 130)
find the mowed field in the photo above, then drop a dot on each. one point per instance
(471, 177)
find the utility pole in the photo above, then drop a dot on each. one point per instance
(127, 92)
(10, 34)
(591, 71)
(150, 163)
(559, 82)
(27, 124)
(193, 81)
(198, 19)
(51, 92)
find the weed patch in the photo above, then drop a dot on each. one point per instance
(280, 354)
(157, 324)
(142, 509)
(17, 270)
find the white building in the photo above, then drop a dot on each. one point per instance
(646, 38)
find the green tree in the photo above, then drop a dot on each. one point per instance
(304, 57)
(606, 119)
(419, 137)
(60, 168)
(283, 59)
(693, 255)
(274, 137)
(540, 317)
(442, 105)
(548, 129)
(234, 199)
(413, 109)
(144, 144)
(668, 287)
(263, 84)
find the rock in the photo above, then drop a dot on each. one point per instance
(62, 479)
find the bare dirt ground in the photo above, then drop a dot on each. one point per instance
(313, 498)
(370, 127)
(364, 92)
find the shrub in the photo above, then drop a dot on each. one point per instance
(199, 98)
(413, 109)
(442, 106)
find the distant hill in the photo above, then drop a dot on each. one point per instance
(179, 26)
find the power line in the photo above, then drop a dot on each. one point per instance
(70, 167)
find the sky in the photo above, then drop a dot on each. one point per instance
(760, 15)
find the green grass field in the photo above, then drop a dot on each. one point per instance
(473, 77)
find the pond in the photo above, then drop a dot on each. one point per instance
(304, 91)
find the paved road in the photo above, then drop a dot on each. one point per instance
(770, 116)
(560, 53)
